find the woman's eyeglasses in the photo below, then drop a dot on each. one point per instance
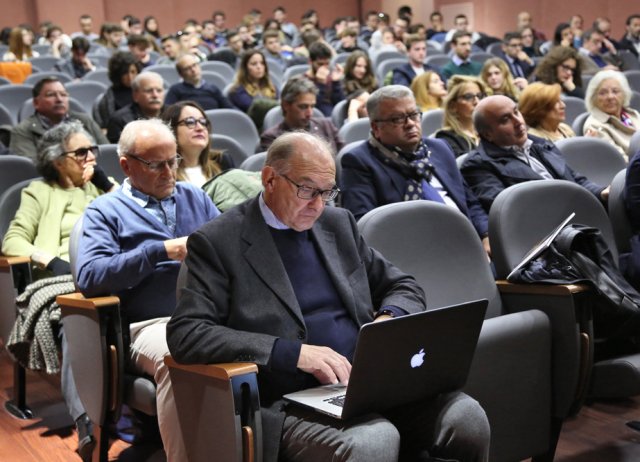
(472, 96)
(190, 122)
(81, 154)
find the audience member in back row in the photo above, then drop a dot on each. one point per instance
(78, 65)
(148, 101)
(562, 65)
(252, 81)
(194, 88)
(358, 73)
(131, 245)
(327, 80)
(416, 52)
(608, 97)
(51, 104)
(508, 155)
(123, 68)
(297, 101)
(460, 63)
(520, 64)
(397, 163)
(20, 41)
(191, 127)
(496, 76)
(544, 111)
(49, 208)
(465, 93)
(429, 90)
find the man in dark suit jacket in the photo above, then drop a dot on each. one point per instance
(631, 39)
(416, 52)
(381, 170)
(520, 64)
(288, 283)
(507, 155)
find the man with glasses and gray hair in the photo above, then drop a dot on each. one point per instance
(289, 282)
(132, 244)
(398, 164)
(298, 99)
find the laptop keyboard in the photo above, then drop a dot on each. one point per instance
(336, 400)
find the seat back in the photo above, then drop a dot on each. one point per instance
(634, 103)
(358, 130)
(387, 65)
(339, 113)
(622, 231)
(44, 63)
(523, 214)
(220, 68)
(578, 123)
(432, 121)
(33, 79)
(110, 162)
(634, 144)
(437, 60)
(13, 97)
(594, 158)
(230, 147)
(438, 246)
(99, 75)
(214, 78)
(235, 124)
(86, 92)
(574, 107)
(384, 55)
(169, 73)
(294, 70)
(10, 202)
(5, 118)
(255, 162)
(14, 169)
(633, 76)
(481, 56)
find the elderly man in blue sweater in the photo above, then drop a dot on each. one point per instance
(132, 243)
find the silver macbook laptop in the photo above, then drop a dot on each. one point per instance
(403, 360)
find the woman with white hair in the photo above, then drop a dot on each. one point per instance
(607, 99)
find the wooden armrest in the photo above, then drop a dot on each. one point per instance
(506, 287)
(220, 371)
(77, 300)
(8, 262)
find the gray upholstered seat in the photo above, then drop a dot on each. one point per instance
(594, 158)
(511, 372)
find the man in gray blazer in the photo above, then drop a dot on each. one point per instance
(285, 282)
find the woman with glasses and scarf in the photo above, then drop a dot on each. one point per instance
(464, 94)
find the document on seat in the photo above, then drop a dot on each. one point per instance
(542, 245)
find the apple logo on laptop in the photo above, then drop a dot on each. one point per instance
(418, 359)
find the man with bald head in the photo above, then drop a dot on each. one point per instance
(132, 244)
(288, 284)
(147, 92)
(507, 154)
(193, 87)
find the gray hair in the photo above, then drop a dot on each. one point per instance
(283, 149)
(596, 81)
(297, 86)
(383, 93)
(143, 76)
(54, 143)
(130, 133)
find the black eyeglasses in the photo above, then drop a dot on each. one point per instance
(190, 122)
(158, 165)
(81, 154)
(472, 96)
(415, 116)
(568, 68)
(308, 193)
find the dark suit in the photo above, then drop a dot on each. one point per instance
(367, 183)
(404, 75)
(246, 302)
(525, 67)
(489, 169)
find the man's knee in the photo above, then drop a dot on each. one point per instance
(373, 440)
(470, 428)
